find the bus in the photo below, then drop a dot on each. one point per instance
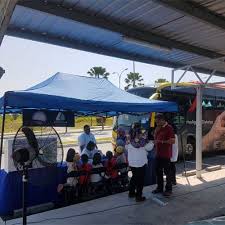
(184, 120)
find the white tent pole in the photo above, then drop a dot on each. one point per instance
(199, 132)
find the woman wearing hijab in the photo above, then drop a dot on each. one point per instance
(137, 159)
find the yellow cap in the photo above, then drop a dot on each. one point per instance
(119, 149)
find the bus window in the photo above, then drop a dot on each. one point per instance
(207, 104)
(126, 120)
(179, 120)
(145, 92)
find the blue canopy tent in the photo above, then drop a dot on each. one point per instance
(81, 95)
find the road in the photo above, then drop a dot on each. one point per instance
(73, 136)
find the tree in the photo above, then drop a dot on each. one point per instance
(161, 80)
(98, 72)
(133, 80)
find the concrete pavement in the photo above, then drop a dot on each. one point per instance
(193, 199)
(71, 138)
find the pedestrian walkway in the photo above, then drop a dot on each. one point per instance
(193, 199)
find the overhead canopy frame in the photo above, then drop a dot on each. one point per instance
(199, 86)
(189, 31)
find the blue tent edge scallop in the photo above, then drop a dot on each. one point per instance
(82, 95)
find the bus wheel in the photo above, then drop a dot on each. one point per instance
(190, 149)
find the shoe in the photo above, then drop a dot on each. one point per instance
(174, 183)
(140, 199)
(131, 195)
(157, 191)
(167, 193)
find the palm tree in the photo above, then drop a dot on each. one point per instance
(133, 80)
(98, 72)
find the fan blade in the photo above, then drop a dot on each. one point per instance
(31, 138)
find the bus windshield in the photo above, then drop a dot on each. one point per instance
(126, 120)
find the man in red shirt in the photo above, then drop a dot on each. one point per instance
(164, 139)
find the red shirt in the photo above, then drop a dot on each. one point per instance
(165, 133)
(84, 179)
(110, 168)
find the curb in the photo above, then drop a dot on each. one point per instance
(79, 131)
(76, 131)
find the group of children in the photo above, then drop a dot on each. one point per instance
(87, 162)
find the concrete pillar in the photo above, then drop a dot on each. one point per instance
(199, 132)
(6, 11)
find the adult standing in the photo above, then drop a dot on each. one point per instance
(164, 139)
(137, 159)
(85, 138)
(174, 157)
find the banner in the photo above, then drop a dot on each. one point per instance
(48, 118)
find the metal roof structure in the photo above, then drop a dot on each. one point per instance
(166, 33)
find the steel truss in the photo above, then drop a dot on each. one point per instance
(199, 91)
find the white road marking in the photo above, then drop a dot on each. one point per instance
(158, 201)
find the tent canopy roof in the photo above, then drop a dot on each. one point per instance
(82, 95)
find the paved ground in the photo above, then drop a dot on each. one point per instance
(193, 199)
(207, 161)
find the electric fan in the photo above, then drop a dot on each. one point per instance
(43, 144)
(35, 148)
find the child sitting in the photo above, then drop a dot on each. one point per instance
(110, 165)
(72, 161)
(119, 155)
(95, 178)
(86, 168)
(120, 158)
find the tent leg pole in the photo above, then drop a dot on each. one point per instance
(2, 135)
(199, 133)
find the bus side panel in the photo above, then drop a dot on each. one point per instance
(208, 118)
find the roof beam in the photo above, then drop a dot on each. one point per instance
(84, 46)
(124, 30)
(193, 9)
(46, 38)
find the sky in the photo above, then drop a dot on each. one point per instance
(28, 62)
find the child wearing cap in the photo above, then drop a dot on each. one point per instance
(120, 155)
(121, 159)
